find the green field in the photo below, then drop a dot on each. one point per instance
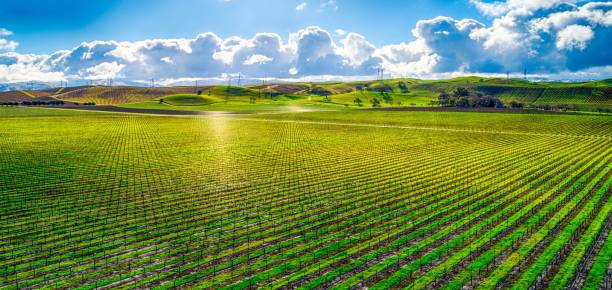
(329, 199)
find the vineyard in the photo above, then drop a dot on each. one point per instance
(320, 200)
(119, 95)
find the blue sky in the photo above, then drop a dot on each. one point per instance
(211, 40)
(43, 26)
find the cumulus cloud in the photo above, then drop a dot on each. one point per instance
(542, 36)
(105, 70)
(546, 37)
(574, 36)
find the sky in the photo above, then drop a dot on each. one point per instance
(182, 40)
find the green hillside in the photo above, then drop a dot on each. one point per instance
(189, 100)
(595, 95)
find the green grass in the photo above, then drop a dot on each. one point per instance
(262, 105)
(327, 199)
(189, 100)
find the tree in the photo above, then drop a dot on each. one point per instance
(403, 87)
(161, 101)
(463, 102)
(375, 102)
(444, 99)
(358, 101)
(387, 98)
(460, 92)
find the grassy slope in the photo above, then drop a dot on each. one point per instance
(404, 92)
(189, 100)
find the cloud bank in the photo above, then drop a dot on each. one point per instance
(558, 39)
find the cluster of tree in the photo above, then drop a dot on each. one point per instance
(463, 98)
(89, 104)
(516, 105)
(9, 104)
(43, 103)
(566, 107)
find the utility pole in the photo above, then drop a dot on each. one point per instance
(380, 74)
(152, 83)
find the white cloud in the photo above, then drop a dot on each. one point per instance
(5, 32)
(301, 6)
(7, 45)
(547, 37)
(520, 6)
(257, 59)
(105, 70)
(574, 36)
(329, 4)
(356, 49)
(167, 60)
(15, 67)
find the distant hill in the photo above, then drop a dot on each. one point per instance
(395, 92)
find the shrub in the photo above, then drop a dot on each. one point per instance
(358, 101)
(375, 102)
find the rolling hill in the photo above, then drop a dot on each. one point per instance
(393, 92)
